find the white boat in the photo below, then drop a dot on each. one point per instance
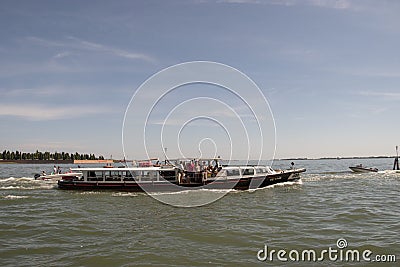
(174, 178)
(360, 168)
(58, 176)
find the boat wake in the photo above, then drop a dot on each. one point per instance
(389, 171)
(200, 190)
(183, 192)
(25, 183)
(298, 182)
(13, 197)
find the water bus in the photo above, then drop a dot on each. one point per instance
(177, 177)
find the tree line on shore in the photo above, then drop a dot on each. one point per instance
(39, 155)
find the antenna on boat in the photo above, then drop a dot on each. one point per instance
(396, 160)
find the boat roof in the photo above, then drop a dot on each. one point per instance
(125, 169)
(243, 166)
(152, 168)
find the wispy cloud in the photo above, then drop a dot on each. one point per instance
(385, 95)
(59, 90)
(32, 92)
(239, 1)
(41, 112)
(62, 54)
(333, 4)
(83, 45)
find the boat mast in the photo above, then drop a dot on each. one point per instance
(396, 160)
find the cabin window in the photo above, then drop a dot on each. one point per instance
(128, 176)
(248, 172)
(99, 174)
(95, 175)
(116, 174)
(143, 175)
(136, 174)
(261, 170)
(233, 172)
(107, 174)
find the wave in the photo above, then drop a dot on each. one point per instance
(200, 190)
(299, 182)
(14, 197)
(25, 183)
(390, 171)
(125, 194)
(21, 179)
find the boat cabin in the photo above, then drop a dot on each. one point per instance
(140, 174)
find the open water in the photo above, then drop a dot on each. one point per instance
(43, 226)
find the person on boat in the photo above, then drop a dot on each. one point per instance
(204, 173)
(58, 170)
(181, 172)
(43, 173)
(197, 166)
(210, 169)
(292, 163)
(54, 170)
(190, 166)
(180, 166)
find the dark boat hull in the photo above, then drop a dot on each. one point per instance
(164, 186)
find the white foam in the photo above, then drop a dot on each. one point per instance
(299, 182)
(200, 190)
(10, 187)
(16, 180)
(125, 194)
(389, 171)
(90, 192)
(14, 197)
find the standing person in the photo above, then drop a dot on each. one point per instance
(192, 167)
(197, 167)
(292, 165)
(54, 169)
(58, 170)
(204, 173)
(180, 166)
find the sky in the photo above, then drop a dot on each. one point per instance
(73, 74)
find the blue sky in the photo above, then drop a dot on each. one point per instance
(330, 70)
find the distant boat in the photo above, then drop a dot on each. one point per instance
(360, 168)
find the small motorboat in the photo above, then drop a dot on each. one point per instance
(360, 168)
(57, 176)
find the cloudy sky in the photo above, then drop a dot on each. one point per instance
(330, 71)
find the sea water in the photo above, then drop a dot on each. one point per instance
(43, 226)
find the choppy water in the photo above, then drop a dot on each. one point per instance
(43, 226)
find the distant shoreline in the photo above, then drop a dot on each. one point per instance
(339, 158)
(68, 161)
(109, 161)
